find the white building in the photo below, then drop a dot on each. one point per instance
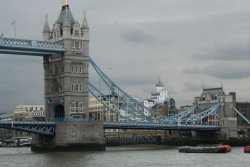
(27, 108)
(157, 98)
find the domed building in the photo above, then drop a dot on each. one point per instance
(160, 101)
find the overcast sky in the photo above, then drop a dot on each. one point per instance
(186, 43)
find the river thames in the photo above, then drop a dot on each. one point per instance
(129, 156)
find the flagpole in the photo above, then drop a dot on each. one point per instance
(15, 29)
(14, 24)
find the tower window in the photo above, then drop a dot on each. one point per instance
(76, 33)
(61, 32)
(76, 87)
(80, 88)
(77, 45)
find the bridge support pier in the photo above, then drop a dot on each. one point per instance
(72, 136)
(229, 128)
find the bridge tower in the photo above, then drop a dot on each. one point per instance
(66, 88)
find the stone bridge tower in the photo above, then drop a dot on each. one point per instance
(66, 88)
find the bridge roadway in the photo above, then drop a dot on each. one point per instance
(48, 128)
(159, 126)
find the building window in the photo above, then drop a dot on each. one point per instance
(77, 45)
(76, 87)
(76, 106)
(80, 88)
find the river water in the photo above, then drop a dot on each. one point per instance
(129, 156)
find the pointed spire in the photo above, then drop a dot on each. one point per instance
(84, 21)
(66, 22)
(159, 83)
(46, 28)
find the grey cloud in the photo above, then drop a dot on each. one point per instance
(191, 87)
(222, 71)
(137, 36)
(194, 70)
(231, 52)
(227, 72)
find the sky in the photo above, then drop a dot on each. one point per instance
(188, 44)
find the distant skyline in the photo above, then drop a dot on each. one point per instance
(187, 44)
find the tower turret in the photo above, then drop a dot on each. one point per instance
(85, 27)
(46, 30)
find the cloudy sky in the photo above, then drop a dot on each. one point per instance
(186, 43)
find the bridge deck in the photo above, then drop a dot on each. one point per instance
(42, 128)
(48, 128)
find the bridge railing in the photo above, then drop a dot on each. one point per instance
(31, 44)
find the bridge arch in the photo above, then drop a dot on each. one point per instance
(59, 112)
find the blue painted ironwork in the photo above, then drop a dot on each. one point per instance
(197, 118)
(122, 97)
(116, 105)
(182, 115)
(41, 128)
(100, 97)
(241, 115)
(30, 47)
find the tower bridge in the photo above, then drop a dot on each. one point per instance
(65, 53)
